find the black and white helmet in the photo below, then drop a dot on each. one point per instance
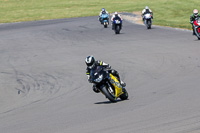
(195, 12)
(90, 61)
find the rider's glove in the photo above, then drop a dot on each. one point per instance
(108, 67)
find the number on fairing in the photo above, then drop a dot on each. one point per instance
(117, 21)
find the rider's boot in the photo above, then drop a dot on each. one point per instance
(95, 89)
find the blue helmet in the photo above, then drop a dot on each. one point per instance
(103, 10)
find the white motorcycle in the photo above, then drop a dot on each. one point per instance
(148, 20)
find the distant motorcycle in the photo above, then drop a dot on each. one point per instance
(196, 26)
(148, 20)
(117, 25)
(107, 84)
(105, 20)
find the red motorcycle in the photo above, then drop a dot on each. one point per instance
(196, 26)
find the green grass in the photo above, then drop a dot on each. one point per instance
(173, 13)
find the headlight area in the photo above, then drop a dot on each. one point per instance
(99, 79)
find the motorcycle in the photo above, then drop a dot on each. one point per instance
(105, 20)
(148, 20)
(107, 84)
(196, 26)
(117, 26)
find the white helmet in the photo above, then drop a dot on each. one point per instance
(116, 13)
(195, 12)
(146, 7)
(90, 61)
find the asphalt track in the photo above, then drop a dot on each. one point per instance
(44, 88)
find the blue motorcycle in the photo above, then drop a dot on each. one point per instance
(105, 20)
(117, 25)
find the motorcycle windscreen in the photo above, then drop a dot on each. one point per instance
(94, 73)
(147, 16)
(104, 16)
(116, 84)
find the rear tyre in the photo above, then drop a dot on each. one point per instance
(105, 25)
(117, 30)
(108, 95)
(124, 96)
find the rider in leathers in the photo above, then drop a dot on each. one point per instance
(116, 16)
(103, 11)
(90, 62)
(193, 17)
(145, 11)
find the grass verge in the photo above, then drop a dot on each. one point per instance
(173, 13)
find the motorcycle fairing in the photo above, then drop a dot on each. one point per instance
(104, 18)
(117, 85)
(196, 23)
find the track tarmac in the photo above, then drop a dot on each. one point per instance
(44, 88)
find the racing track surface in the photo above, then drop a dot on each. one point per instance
(44, 88)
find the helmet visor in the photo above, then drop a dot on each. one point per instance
(89, 64)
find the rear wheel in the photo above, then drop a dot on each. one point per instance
(108, 94)
(117, 30)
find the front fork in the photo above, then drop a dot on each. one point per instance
(109, 87)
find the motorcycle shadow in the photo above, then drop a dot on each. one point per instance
(109, 102)
(196, 40)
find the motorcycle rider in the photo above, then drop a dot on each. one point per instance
(115, 16)
(145, 11)
(103, 11)
(193, 17)
(91, 62)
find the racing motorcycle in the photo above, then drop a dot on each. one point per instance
(105, 20)
(148, 20)
(117, 25)
(196, 26)
(107, 84)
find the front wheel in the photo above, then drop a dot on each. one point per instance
(105, 25)
(108, 95)
(124, 96)
(148, 24)
(197, 32)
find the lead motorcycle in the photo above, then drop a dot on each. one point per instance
(196, 26)
(148, 20)
(105, 20)
(107, 84)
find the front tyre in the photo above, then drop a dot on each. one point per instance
(197, 34)
(108, 95)
(124, 96)
(105, 25)
(148, 24)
